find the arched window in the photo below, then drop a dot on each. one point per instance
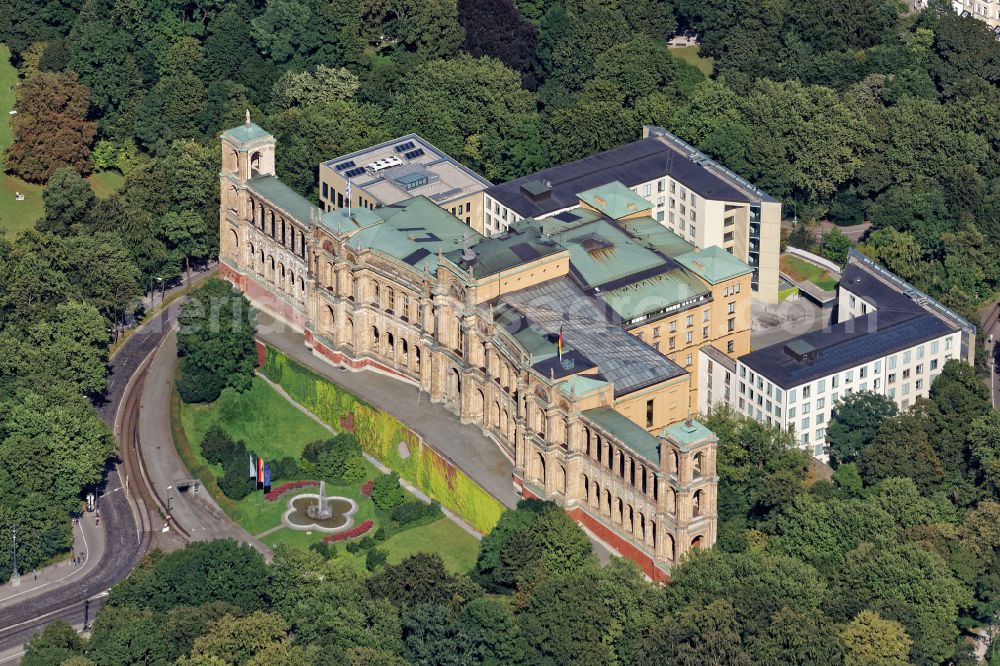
(674, 464)
(697, 465)
(390, 296)
(406, 351)
(254, 163)
(541, 469)
(696, 542)
(696, 501)
(375, 337)
(416, 359)
(376, 295)
(562, 479)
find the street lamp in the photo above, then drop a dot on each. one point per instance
(15, 578)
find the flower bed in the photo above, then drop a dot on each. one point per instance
(285, 487)
(366, 488)
(351, 533)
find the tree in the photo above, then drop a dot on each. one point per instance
(51, 129)
(869, 639)
(57, 643)
(203, 572)
(794, 637)
(420, 579)
(901, 448)
(984, 443)
(496, 28)
(186, 236)
(697, 634)
(68, 199)
(457, 103)
(836, 245)
(839, 25)
(386, 492)
(896, 250)
(101, 268)
(488, 633)
(966, 55)
(323, 86)
(165, 114)
(241, 640)
(429, 27)
(215, 340)
(855, 422)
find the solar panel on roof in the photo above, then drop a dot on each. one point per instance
(404, 146)
(356, 171)
(524, 251)
(567, 216)
(414, 153)
(416, 256)
(344, 165)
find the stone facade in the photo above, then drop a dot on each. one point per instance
(652, 496)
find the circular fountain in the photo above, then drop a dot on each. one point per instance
(319, 512)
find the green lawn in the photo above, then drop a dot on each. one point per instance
(802, 270)
(15, 216)
(457, 547)
(268, 423)
(272, 426)
(689, 54)
(105, 183)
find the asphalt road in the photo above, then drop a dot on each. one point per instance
(125, 542)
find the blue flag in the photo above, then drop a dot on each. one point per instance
(267, 475)
(253, 468)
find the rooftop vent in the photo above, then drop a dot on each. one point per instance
(537, 189)
(801, 351)
(384, 163)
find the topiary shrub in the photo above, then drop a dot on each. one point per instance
(410, 512)
(386, 492)
(236, 482)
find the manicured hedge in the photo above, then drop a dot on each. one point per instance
(379, 434)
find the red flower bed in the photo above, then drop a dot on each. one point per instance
(366, 488)
(351, 533)
(285, 487)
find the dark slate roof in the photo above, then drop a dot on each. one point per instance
(843, 346)
(898, 322)
(621, 357)
(631, 164)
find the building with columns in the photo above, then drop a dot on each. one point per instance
(521, 335)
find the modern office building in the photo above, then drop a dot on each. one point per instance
(520, 334)
(889, 338)
(701, 201)
(397, 170)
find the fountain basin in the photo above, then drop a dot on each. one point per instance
(341, 510)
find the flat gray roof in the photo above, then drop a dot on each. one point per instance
(453, 180)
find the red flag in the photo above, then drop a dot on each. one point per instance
(260, 470)
(560, 342)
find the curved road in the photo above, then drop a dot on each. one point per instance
(126, 540)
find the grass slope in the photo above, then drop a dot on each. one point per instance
(260, 417)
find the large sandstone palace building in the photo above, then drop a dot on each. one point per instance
(570, 340)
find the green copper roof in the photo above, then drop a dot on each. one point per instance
(600, 252)
(654, 235)
(655, 293)
(614, 200)
(621, 427)
(687, 435)
(411, 231)
(713, 264)
(581, 385)
(523, 243)
(247, 133)
(282, 196)
(344, 221)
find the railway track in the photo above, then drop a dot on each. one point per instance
(132, 512)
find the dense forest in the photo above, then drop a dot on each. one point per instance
(844, 109)
(886, 565)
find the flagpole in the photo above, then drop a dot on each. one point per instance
(348, 198)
